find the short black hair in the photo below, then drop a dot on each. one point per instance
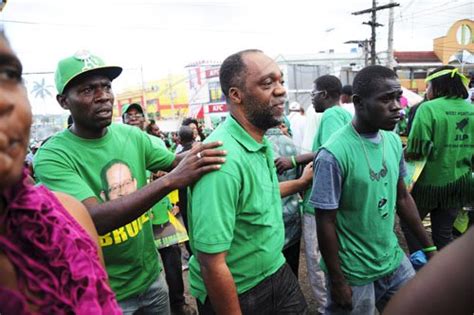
(188, 121)
(447, 86)
(329, 83)
(185, 134)
(366, 80)
(232, 70)
(347, 90)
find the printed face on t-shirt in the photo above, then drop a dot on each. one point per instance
(120, 181)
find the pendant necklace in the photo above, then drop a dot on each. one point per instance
(383, 172)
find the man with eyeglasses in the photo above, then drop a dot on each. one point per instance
(76, 161)
(132, 114)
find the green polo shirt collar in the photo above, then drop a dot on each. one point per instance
(242, 136)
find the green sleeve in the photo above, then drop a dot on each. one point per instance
(214, 202)
(157, 156)
(53, 172)
(421, 134)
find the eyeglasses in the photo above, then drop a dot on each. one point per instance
(134, 116)
(117, 187)
(314, 93)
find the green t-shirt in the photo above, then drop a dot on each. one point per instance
(443, 132)
(85, 168)
(238, 209)
(160, 209)
(332, 120)
(368, 246)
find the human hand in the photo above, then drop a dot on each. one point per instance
(175, 210)
(282, 164)
(200, 160)
(341, 294)
(307, 175)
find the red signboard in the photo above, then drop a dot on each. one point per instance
(217, 108)
(211, 73)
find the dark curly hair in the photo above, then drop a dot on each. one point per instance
(232, 71)
(447, 86)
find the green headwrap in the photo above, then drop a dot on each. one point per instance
(452, 72)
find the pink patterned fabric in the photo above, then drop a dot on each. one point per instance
(57, 264)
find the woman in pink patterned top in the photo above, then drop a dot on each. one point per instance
(50, 262)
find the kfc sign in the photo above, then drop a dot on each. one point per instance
(218, 108)
(211, 73)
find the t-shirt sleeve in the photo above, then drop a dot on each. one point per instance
(330, 124)
(53, 172)
(327, 182)
(213, 212)
(158, 157)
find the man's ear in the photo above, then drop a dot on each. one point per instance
(356, 99)
(62, 100)
(235, 95)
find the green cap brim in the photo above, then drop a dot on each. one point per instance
(110, 72)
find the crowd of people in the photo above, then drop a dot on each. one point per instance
(78, 228)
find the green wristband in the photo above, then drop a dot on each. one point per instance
(293, 161)
(430, 249)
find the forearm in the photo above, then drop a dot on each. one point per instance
(113, 214)
(221, 288)
(304, 158)
(407, 211)
(329, 245)
(291, 187)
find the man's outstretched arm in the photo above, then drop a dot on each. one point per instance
(113, 214)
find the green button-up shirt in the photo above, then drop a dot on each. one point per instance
(238, 209)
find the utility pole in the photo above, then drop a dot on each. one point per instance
(391, 59)
(373, 24)
(364, 44)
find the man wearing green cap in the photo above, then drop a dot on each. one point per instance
(132, 114)
(73, 161)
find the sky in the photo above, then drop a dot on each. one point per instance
(151, 39)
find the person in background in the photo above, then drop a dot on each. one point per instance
(443, 134)
(186, 138)
(297, 121)
(283, 146)
(346, 99)
(170, 255)
(50, 260)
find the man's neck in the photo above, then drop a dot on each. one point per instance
(88, 133)
(361, 127)
(253, 131)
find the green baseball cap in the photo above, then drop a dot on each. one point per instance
(126, 107)
(83, 62)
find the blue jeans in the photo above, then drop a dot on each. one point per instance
(367, 297)
(154, 301)
(280, 293)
